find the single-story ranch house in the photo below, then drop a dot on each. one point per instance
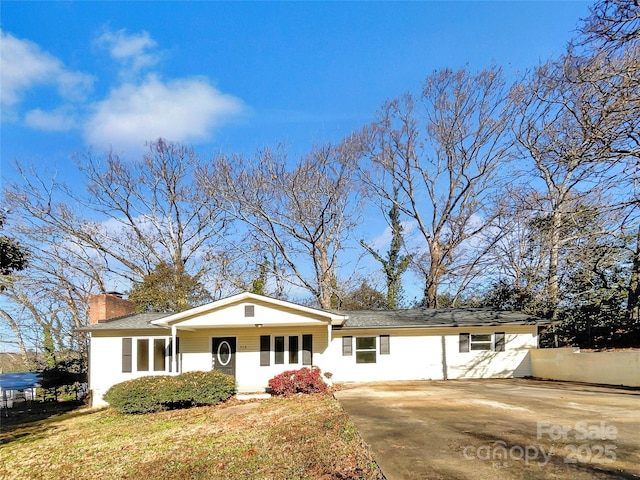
(254, 337)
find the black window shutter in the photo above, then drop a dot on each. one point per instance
(347, 346)
(464, 342)
(126, 355)
(307, 349)
(499, 341)
(384, 345)
(265, 350)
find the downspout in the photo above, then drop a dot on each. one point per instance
(445, 367)
(329, 356)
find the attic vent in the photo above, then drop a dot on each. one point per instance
(249, 311)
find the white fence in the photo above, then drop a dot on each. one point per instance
(569, 364)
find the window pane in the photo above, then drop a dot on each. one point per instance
(158, 355)
(366, 357)
(278, 346)
(481, 337)
(143, 355)
(481, 346)
(366, 343)
(293, 349)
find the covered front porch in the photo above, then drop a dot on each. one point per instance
(250, 337)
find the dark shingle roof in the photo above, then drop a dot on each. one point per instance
(443, 317)
(418, 317)
(138, 321)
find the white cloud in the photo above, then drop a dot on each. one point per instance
(134, 111)
(59, 120)
(25, 65)
(132, 51)
(178, 110)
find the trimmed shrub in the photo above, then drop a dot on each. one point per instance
(164, 392)
(140, 395)
(206, 388)
(305, 380)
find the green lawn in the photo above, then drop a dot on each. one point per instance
(305, 436)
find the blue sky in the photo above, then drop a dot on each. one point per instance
(233, 77)
(236, 76)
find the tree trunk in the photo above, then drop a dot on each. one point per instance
(553, 284)
(633, 299)
(433, 276)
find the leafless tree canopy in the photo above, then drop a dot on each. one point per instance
(443, 151)
(612, 24)
(298, 216)
(133, 216)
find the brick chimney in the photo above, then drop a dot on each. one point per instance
(105, 306)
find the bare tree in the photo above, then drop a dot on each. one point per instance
(610, 65)
(301, 215)
(577, 121)
(395, 262)
(131, 217)
(519, 255)
(134, 215)
(613, 24)
(45, 303)
(444, 153)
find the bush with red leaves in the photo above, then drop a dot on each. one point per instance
(305, 380)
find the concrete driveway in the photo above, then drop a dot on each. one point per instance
(507, 429)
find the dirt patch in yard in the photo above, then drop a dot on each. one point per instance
(508, 429)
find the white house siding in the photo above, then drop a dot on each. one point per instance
(417, 354)
(105, 360)
(195, 352)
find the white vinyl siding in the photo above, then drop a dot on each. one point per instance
(433, 354)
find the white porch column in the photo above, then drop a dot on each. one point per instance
(174, 350)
